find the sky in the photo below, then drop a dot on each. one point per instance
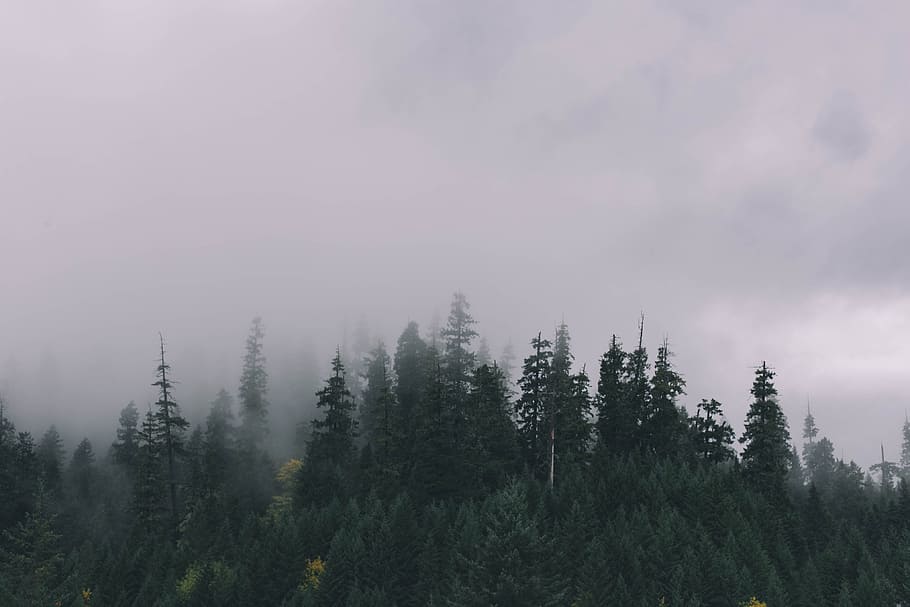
(735, 170)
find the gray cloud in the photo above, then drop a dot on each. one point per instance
(183, 167)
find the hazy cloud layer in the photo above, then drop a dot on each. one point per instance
(737, 170)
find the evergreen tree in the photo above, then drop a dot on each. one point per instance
(663, 427)
(219, 440)
(125, 451)
(377, 409)
(820, 463)
(30, 559)
(714, 436)
(569, 404)
(82, 471)
(533, 405)
(332, 438)
(905, 449)
(482, 356)
(459, 359)
(810, 430)
(496, 449)
(506, 364)
(50, 454)
(766, 437)
(638, 392)
(171, 426)
(616, 420)
(148, 500)
(410, 359)
(253, 388)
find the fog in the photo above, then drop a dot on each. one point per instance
(735, 170)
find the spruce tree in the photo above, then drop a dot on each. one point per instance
(638, 392)
(616, 420)
(253, 388)
(377, 406)
(410, 371)
(171, 426)
(50, 454)
(125, 450)
(663, 427)
(569, 404)
(332, 438)
(458, 358)
(219, 453)
(82, 470)
(713, 435)
(905, 449)
(766, 437)
(533, 405)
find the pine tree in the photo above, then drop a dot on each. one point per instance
(171, 426)
(219, 440)
(616, 421)
(638, 393)
(569, 405)
(506, 364)
(82, 471)
(333, 435)
(148, 500)
(663, 427)
(766, 437)
(496, 449)
(253, 388)
(458, 358)
(125, 450)
(533, 405)
(377, 408)
(410, 359)
(810, 430)
(905, 449)
(30, 558)
(50, 454)
(714, 436)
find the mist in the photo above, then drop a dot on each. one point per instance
(735, 171)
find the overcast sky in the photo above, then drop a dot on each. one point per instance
(736, 170)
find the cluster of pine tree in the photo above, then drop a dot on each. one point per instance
(440, 479)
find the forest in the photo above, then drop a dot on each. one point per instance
(435, 475)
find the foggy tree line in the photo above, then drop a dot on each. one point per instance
(435, 474)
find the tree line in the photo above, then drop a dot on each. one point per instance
(439, 476)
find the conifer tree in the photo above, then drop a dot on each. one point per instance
(458, 358)
(533, 405)
(714, 436)
(253, 388)
(410, 368)
(616, 420)
(30, 558)
(905, 449)
(766, 437)
(496, 451)
(219, 440)
(82, 470)
(638, 392)
(171, 426)
(506, 364)
(333, 435)
(377, 423)
(50, 459)
(569, 429)
(662, 426)
(125, 450)
(148, 501)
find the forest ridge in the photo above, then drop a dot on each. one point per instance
(438, 476)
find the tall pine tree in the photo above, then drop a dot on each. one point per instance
(766, 454)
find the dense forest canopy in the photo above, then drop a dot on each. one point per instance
(436, 473)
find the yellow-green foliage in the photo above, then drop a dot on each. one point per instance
(287, 474)
(754, 602)
(86, 596)
(312, 574)
(222, 578)
(187, 585)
